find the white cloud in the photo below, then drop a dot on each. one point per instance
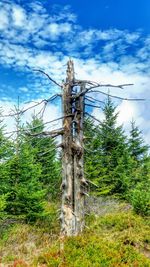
(98, 114)
(52, 112)
(24, 89)
(55, 30)
(98, 55)
(4, 21)
(132, 37)
(127, 112)
(18, 16)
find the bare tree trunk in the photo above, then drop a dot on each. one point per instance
(67, 214)
(79, 181)
(73, 183)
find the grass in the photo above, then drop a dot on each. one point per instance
(119, 238)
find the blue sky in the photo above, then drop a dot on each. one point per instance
(109, 41)
(105, 14)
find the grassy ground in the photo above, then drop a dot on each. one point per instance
(118, 238)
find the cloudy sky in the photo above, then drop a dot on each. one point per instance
(109, 41)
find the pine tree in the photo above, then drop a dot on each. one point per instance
(45, 154)
(25, 193)
(139, 191)
(92, 151)
(114, 150)
(112, 162)
(137, 148)
(6, 150)
(139, 154)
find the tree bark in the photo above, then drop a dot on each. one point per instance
(73, 183)
(67, 214)
(79, 184)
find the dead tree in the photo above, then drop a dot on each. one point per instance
(67, 215)
(78, 152)
(74, 184)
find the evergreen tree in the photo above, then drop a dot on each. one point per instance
(25, 195)
(112, 162)
(6, 150)
(45, 154)
(137, 148)
(92, 151)
(116, 158)
(139, 192)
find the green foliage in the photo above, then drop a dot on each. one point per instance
(115, 164)
(92, 155)
(29, 169)
(108, 162)
(26, 195)
(3, 201)
(20, 240)
(120, 238)
(28, 172)
(45, 154)
(116, 239)
(115, 156)
(137, 148)
(140, 198)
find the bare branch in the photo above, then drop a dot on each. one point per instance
(96, 119)
(49, 150)
(21, 112)
(92, 99)
(90, 105)
(96, 85)
(118, 97)
(121, 86)
(52, 80)
(90, 182)
(48, 122)
(52, 134)
(53, 97)
(93, 117)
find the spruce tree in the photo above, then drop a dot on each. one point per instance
(45, 154)
(25, 193)
(112, 162)
(6, 150)
(137, 148)
(115, 160)
(92, 151)
(139, 191)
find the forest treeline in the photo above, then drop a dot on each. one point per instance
(30, 166)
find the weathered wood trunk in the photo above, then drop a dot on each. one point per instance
(79, 181)
(67, 214)
(73, 183)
